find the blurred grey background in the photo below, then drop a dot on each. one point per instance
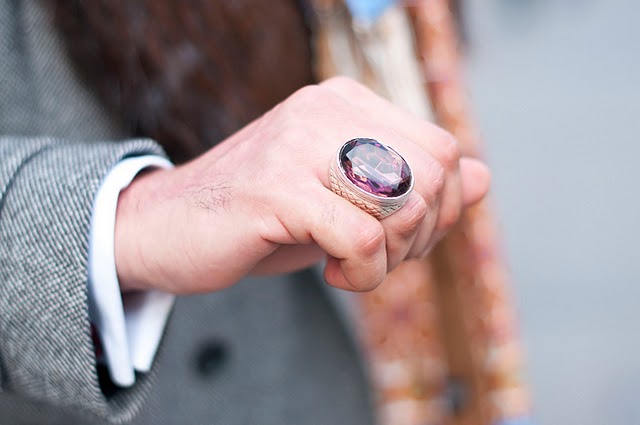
(556, 86)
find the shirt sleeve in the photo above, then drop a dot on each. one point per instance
(129, 326)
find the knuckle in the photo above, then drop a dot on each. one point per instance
(314, 102)
(340, 81)
(347, 87)
(370, 240)
(311, 94)
(412, 218)
(449, 150)
(437, 180)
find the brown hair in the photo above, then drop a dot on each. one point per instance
(188, 73)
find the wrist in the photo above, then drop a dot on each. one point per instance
(134, 224)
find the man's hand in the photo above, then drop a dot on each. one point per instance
(260, 201)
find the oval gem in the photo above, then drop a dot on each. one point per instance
(374, 168)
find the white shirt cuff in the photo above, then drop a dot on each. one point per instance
(129, 326)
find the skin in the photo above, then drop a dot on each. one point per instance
(259, 203)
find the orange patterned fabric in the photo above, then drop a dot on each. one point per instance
(471, 255)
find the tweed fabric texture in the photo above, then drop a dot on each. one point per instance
(47, 193)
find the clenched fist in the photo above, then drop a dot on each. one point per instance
(260, 202)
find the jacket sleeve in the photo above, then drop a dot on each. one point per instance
(47, 188)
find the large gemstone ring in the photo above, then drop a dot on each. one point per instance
(372, 176)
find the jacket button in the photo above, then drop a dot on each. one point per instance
(457, 395)
(210, 357)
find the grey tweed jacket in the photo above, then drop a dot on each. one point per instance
(269, 351)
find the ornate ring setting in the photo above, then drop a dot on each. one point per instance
(372, 176)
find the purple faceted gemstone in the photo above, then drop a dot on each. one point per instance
(375, 168)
